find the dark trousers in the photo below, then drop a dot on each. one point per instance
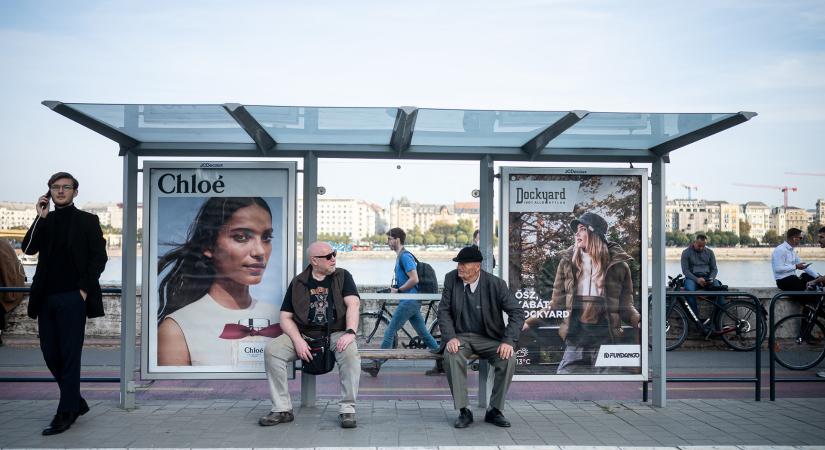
(62, 326)
(793, 282)
(797, 283)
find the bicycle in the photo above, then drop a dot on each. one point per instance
(805, 348)
(383, 316)
(735, 321)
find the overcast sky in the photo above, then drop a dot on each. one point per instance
(701, 56)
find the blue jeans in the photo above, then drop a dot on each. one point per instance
(691, 285)
(408, 310)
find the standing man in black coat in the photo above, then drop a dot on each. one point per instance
(471, 319)
(65, 290)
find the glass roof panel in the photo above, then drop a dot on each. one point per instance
(169, 123)
(322, 125)
(631, 130)
(477, 128)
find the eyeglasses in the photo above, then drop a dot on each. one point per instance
(65, 187)
(328, 256)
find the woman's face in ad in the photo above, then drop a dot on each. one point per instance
(243, 246)
(581, 236)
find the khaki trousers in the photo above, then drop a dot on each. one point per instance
(280, 352)
(455, 364)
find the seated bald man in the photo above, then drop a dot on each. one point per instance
(304, 314)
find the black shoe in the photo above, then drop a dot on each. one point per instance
(84, 408)
(274, 418)
(62, 421)
(465, 418)
(437, 370)
(495, 417)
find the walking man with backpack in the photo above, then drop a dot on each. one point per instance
(405, 281)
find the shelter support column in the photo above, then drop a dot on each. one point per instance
(485, 233)
(128, 303)
(310, 234)
(657, 280)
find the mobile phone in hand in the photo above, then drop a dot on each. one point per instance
(48, 196)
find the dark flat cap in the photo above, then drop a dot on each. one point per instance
(469, 254)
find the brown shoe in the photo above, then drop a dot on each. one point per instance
(347, 420)
(274, 418)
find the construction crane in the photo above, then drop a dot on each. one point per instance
(690, 188)
(784, 190)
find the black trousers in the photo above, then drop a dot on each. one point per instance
(793, 282)
(62, 327)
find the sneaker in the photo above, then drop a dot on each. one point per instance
(274, 418)
(347, 420)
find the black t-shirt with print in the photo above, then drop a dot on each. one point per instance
(319, 297)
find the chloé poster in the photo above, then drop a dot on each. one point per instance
(574, 256)
(218, 246)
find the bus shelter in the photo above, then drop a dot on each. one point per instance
(214, 131)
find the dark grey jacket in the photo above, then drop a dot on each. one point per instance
(495, 297)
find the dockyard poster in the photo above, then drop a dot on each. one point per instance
(573, 251)
(218, 254)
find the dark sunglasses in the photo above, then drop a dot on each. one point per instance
(328, 256)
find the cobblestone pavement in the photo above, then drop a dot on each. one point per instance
(408, 423)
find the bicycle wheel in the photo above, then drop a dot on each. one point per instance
(739, 327)
(435, 331)
(676, 328)
(797, 352)
(370, 323)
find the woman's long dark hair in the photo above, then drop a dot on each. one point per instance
(192, 273)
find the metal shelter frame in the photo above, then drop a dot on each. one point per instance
(233, 130)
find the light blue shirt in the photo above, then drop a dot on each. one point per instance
(784, 260)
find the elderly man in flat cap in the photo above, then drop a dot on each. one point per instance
(472, 322)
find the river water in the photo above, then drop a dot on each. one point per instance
(371, 271)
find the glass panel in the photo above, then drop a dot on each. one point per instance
(474, 128)
(169, 123)
(631, 130)
(313, 125)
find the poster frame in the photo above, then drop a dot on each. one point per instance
(504, 208)
(289, 246)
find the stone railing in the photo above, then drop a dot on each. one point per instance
(22, 330)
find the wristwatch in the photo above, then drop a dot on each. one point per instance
(349, 331)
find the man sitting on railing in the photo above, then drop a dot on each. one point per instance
(785, 263)
(699, 268)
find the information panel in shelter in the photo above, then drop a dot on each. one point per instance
(574, 246)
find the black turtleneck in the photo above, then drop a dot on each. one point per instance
(62, 274)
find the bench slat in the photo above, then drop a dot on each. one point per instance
(399, 353)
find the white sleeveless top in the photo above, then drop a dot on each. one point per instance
(202, 322)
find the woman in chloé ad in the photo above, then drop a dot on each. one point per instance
(206, 307)
(219, 239)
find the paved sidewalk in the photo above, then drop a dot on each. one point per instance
(407, 423)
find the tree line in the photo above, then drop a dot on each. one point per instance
(731, 239)
(454, 235)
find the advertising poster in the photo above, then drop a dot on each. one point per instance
(573, 256)
(218, 246)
